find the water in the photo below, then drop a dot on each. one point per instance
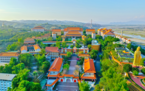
(132, 36)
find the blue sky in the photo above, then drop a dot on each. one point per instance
(100, 11)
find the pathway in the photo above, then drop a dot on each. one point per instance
(72, 65)
(137, 81)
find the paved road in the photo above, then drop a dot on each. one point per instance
(72, 65)
(67, 86)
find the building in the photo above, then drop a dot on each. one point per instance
(54, 73)
(29, 41)
(56, 31)
(34, 49)
(54, 35)
(90, 31)
(52, 52)
(89, 70)
(95, 45)
(106, 32)
(38, 29)
(6, 81)
(5, 57)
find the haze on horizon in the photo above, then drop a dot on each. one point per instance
(100, 11)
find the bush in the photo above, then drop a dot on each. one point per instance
(127, 67)
(143, 70)
(135, 72)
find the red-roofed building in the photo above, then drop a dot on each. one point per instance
(89, 70)
(38, 29)
(56, 31)
(52, 52)
(54, 73)
(106, 32)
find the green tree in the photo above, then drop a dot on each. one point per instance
(40, 59)
(68, 54)
(66, 66)
(127, 67)
(26, 59)
(64, 45)
(143, 70)
(142, 61)
(129, 46)
(89, 46)
(84, 86)
(18, 68)
(58, 38)
(71, 46)
(45, 66)
(135, 72)
(50, 39)
(58, 44)
(93, 54)
(42, 51)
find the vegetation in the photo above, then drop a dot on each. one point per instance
(93, 54)
(143, 70)
(127, 68)
(84, 86)
(66, 66)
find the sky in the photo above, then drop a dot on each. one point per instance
(100, 11)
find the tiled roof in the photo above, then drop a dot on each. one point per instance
(56, 30)
(73, 33)
(51, 49)
(38, 27)
(84, 55)
(56, 65)
(73, 28)
(9, 54)
(90, 30)
(36, 47)
(88, 77)
(24, 48)
(53, 82)
(89, 66)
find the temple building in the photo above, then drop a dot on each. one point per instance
(29, 41)
(34, 49)
(56, 31)
(52, 52)
(95, 45)
(106, 32)
(89, 70)
(5, 57)
(54, 73)
(73, 32)
(38, 29)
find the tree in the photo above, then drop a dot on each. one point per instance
(50, 39)
(35, 74)
(68, 54)
(58, 38)
(142, 61)
(127, 68)
(135, 72)
(45, 66)
(13, 61)
(58, 44)
(143, 70)
(89, 46)
(40, 59)
(84, 32)
(93, 54)
(42, 51)
(84, 86)
(18, 68)
(129, 46)
(26, 59)
(64, 45)
(66, 66)
(71, 46)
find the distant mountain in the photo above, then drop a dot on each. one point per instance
(129, 23)
(48, 23)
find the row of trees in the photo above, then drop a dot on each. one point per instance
(112, 78)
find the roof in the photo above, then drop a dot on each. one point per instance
(56, 64)
(5, 76)
(36, 47)
(73, 33)
(73, 28)
(84, 55)
(9, 54)
(24, 48)
(29, 40)
(90, 30)
(51, 49)
(56, 30)
(89, 66)
(88, 77)
(38, 27)
(51, 82)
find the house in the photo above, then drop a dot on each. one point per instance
(38, 29)
(54, 73)
(54, 35)
(89, 70)
(5, 57)
(29, 41)
(6, 81)
(56, 31)
(34, 49)
(90, 31)
(106, 32)
(66, 30)
(52, 52)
